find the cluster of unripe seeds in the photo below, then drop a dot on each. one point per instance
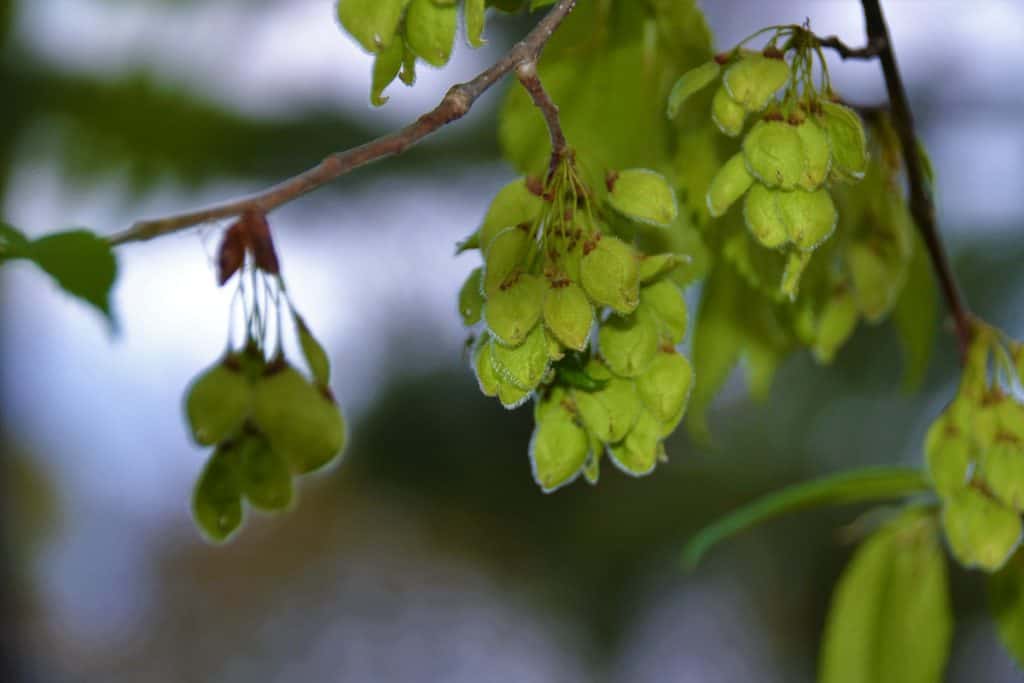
(975, 454)
(267, 421)
(398, 32)
(800, 144)
(580, 320)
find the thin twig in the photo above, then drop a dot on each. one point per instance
(527, 74)
(921, 206)
(873, 49)
(455, 104)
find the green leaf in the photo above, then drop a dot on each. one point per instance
(373, 23)
(644, 196)
(475, 19)
(81, 262)
(890, 620)
(1006, 601)
(430, 31)
(916, 318)
(857, 486)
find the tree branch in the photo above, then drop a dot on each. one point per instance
(873, 49)
(527, 74)
(455, 104)
(922, 207)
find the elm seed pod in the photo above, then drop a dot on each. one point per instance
(637, 454)
(430, 30)
(471, 300)
(483, 368)
(754, 80)
(522, 366)
(654, 267)
(1001, 467)
(514, 205)
(643, 196)
(314, 353)
(610, 273)
(610, 412)
(817, 160)
(835, 325)
(810, 217)
(875, 286)
(762, 217)
(949, 460)
(217, 497)
(981, 532)
(505, 255)
(265, 480)
(774, 154)
(218, 401)
(373, 23)
(728, 185)
(568, 315)
(664, 302)
(691, 82)
(386, 66)
(558, 448)
(665, 387)
(847, 141)
(513, 311)
(300, 422)
(628, 344)
(727, 113)
(511, 396)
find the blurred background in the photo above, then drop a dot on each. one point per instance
(428, 554)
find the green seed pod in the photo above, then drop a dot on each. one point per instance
(316, 358)
(1001, 467)
(556, 351)
(471, 300)
(727, 114)
(728, 185)
(300, 422)
(217, 497)
(514, 205)
(558, 449)
(522, 366)
(610, 274)
(665, 387)
(568, 315)
(386, 66)
(985, 428)
(837, 322)
(408, 72)
(665, 304)
(1011, 420)
(754, 80)
(373, 23)
(643, 196)
(637, 454)
(611, 411)
(550, 402)
(817, 155)
(511, 396)
(511, 313)
(430, 31)
(810, 217)
(265, 479)
(483, 368)
(694, 80)
(217, 402)
(628, 343)
(761, 214)
(876, 287)
(774, 154)
(505, 255)
(949, 462)
(474, 11)
(592, 466)
(657, 266)
(847, 141)
(981, 532)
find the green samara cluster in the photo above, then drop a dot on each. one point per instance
(580, 320)
(799, 145)
(974, 454)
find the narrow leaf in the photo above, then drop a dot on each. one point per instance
(916, 318)
(868, 484)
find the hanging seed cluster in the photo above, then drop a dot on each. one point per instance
(400, 32)
(580, 320)
(267, 421)
(974, 454)
(799, 145)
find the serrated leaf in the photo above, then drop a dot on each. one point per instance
(890, 619)
(856, 486)
(1006, 602)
